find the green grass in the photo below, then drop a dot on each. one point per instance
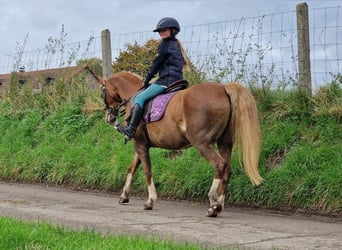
(15, 235)
(64, 143)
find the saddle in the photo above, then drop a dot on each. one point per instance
(154, 109)
(177, 85)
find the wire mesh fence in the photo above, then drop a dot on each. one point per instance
(258, 50)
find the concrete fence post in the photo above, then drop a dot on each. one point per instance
(106, 53)
(304, 67)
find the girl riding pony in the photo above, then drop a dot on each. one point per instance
(169, 64)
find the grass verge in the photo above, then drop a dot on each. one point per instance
(64, 144)
(15, 234)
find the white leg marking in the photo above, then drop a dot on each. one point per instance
(127, 186)
(221, 199)
(152, 194)
(215, 186)
(213, 190)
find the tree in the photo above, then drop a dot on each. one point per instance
(135, 58)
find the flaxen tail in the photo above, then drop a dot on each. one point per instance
(245, 129)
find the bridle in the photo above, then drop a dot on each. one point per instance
(115, 112)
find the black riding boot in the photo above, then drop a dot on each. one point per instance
(129, 130)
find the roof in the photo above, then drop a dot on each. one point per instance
(66, 73)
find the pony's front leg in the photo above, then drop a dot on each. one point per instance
(152, 196)
(146, 162)
(126, 189)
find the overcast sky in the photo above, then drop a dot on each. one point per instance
(41, 19)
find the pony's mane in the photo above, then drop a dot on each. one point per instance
(127, 74)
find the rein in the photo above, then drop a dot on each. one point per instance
(116, 111)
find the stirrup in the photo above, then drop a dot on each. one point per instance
(119, 127)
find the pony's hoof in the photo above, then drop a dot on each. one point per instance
(212, 212)
(217, 207)
(148, 206)
(123, 200)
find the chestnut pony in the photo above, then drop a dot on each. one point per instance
(203, 116)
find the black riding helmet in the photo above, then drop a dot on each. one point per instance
(167, 22)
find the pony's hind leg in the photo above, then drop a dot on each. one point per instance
(133, 167)
(225, 150)
(215, 205)
(219, 164)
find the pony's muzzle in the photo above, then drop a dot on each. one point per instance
(110, 118)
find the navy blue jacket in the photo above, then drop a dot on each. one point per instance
(168, 63)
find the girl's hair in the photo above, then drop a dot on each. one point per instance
(186, 60)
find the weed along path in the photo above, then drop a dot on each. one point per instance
(179, 221)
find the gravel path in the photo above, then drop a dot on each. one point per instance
(179, 221)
